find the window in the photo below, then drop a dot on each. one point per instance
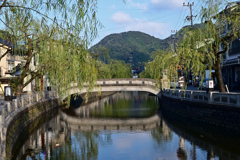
(235, 43)
(10, 65)
(222, 47)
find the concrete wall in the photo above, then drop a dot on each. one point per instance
(213, 116)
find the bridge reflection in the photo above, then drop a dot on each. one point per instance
(85, 111)
(90, 124)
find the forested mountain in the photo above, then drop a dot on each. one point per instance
(133, 43)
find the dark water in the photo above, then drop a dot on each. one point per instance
(126, 125)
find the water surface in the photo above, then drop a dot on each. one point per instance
(126, 125)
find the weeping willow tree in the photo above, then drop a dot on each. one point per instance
(166, 62)
(56, 35)
(202, 48)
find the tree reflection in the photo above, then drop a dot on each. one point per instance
(162, 134)
(139, 105)
(181, 152)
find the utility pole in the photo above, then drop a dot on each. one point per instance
(190, 17)
(173, 33)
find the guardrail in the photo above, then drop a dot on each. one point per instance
(8, 109)
(231, 99)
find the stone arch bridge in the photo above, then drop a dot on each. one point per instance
(120, 84)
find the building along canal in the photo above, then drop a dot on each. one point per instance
(124, 125)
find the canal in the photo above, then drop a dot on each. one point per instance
(124, 125)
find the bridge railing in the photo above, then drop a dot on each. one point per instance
(126, 81)
(231, 99)
(8, 109)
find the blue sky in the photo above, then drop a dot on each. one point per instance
(154, 17)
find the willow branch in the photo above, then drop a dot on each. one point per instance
(3, 4)
(33, 76)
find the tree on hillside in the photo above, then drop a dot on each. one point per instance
(56, 36)
(102, 53)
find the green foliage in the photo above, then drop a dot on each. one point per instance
(102, 54)
(115, 69)
(162, 61)
(56, 36)
(144, 74)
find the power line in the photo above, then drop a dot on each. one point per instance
(181, 24)
(140, 22)
(176, 27)
(141, 9)
(179, 17)
(197, 10)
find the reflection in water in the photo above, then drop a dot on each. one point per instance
(181, 152)
(119, 105)
(97, 131)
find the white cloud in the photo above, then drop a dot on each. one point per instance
(126, 22)
(156, 29)
(142, 6)
(121, 17)
(166, 4)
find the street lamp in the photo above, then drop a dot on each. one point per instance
(8, 94)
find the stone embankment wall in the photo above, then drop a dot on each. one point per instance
(222, 115)
(19, 114)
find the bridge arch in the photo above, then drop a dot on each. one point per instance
(120, 84)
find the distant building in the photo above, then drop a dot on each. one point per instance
(10, 67)
(231, 63)
(231, 58)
